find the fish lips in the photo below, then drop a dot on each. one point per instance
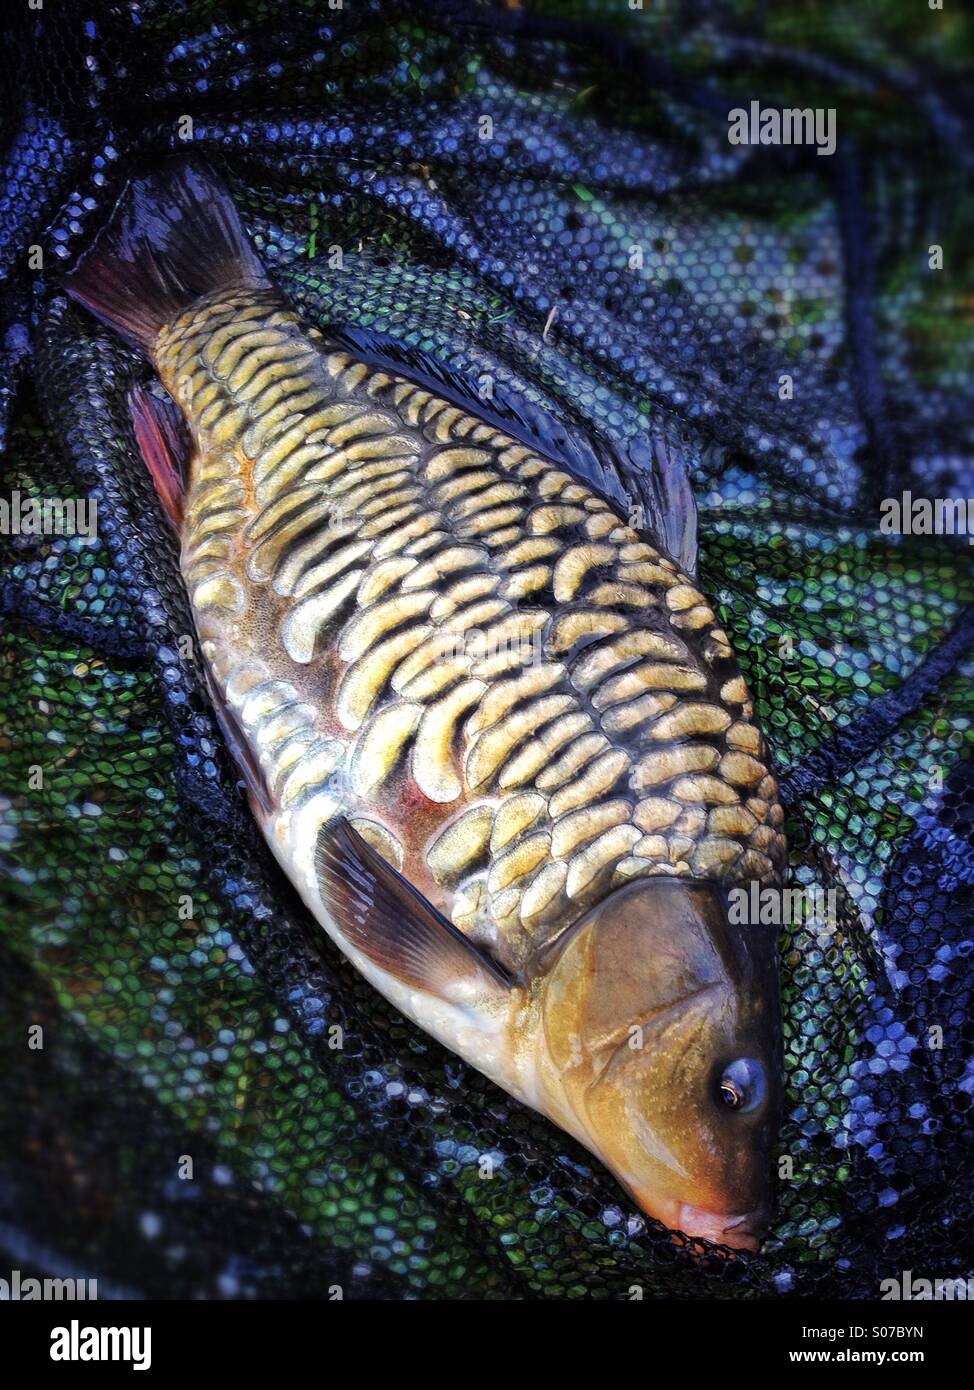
(744, 1232)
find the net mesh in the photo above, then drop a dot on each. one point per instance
(545, 200)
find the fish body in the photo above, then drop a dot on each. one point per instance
(494, 735)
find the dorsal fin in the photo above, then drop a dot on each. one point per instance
(678, 510)
(650, 473)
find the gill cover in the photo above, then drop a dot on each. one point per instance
(652, 1003)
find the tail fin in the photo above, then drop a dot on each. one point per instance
(174, 237)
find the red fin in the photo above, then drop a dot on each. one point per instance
(174, 237)
(387, 919)
(165, 444)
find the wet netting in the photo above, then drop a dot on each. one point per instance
(544, 196)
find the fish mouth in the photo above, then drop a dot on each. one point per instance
(741, 1232)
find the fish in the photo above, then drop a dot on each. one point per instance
(494, 735)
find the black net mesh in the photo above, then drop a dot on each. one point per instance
(545, 197)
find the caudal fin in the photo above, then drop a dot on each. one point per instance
(174, 237)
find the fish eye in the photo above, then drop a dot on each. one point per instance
(730, 1094)
(742, 1085)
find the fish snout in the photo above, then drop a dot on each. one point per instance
(742, 1232)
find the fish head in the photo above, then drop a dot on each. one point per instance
(662, 1040)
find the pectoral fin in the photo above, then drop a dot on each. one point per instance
(384, 917)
